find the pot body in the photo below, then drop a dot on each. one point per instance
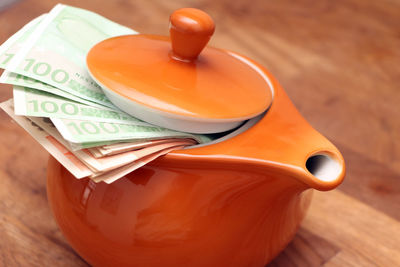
(189, 215)
(234, 203)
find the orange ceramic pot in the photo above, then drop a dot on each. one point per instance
(237, 202)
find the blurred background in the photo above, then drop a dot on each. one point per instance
(337, 60)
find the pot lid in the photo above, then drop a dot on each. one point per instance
(157, 78)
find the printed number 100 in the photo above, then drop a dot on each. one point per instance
(52, 107)
(44, 69)
(88, 127)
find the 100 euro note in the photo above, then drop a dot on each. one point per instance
(114, 175)
(108, 150)
(24, 81)
(49, 55)
(81, 131)
(110, 168)
(31, 102)
(101, 165)
(95, 124)
(108, 163)
(55, 148)
(81, 163)
(11, 47)
(14, 44)
(55, 52)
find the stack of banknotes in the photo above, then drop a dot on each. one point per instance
(57, 102)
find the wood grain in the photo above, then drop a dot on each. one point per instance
(338, 61)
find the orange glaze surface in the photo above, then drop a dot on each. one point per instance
(282, 138)
(178, 216)
(142, 69)
(190, 30)
(235, 203)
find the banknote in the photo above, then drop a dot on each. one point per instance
(49, 128)
(13, 44)
(55, 148)
(46, 125)
(20, 80)
(116, 174)
(99, 166)
(95, 152)
(120, 147)
(108, 150)
(31, 102)
(104, 164)
(65, 110)
(99, 151)
(81, 163)
(108, 163)
(55, 51)
(11, 47)
(79, 146)
(81, 131)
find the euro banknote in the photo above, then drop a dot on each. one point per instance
(20, 80)
(31, 102)
(108, 150)
(103, 168)
(12, 47)
(116, 174)
(14, 44)
(107, 163)
(55, 148)
(57, 102)
(81, 131)
(55, 52)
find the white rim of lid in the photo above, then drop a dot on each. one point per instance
(180, 122)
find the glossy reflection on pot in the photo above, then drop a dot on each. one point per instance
(237, 202)
(188, 216)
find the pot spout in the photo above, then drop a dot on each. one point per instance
(326, 170)
(282, 140)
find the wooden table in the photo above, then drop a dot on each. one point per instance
(339, 61)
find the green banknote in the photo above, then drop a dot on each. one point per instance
(83, 131)
(14, 44)
(11, 47)
(79, 146)
(48, 126)
(20, 80)
(55, 52)
(31, 102)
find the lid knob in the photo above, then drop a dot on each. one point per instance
(190, 30)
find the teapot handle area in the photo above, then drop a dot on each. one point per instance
(282, 140)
